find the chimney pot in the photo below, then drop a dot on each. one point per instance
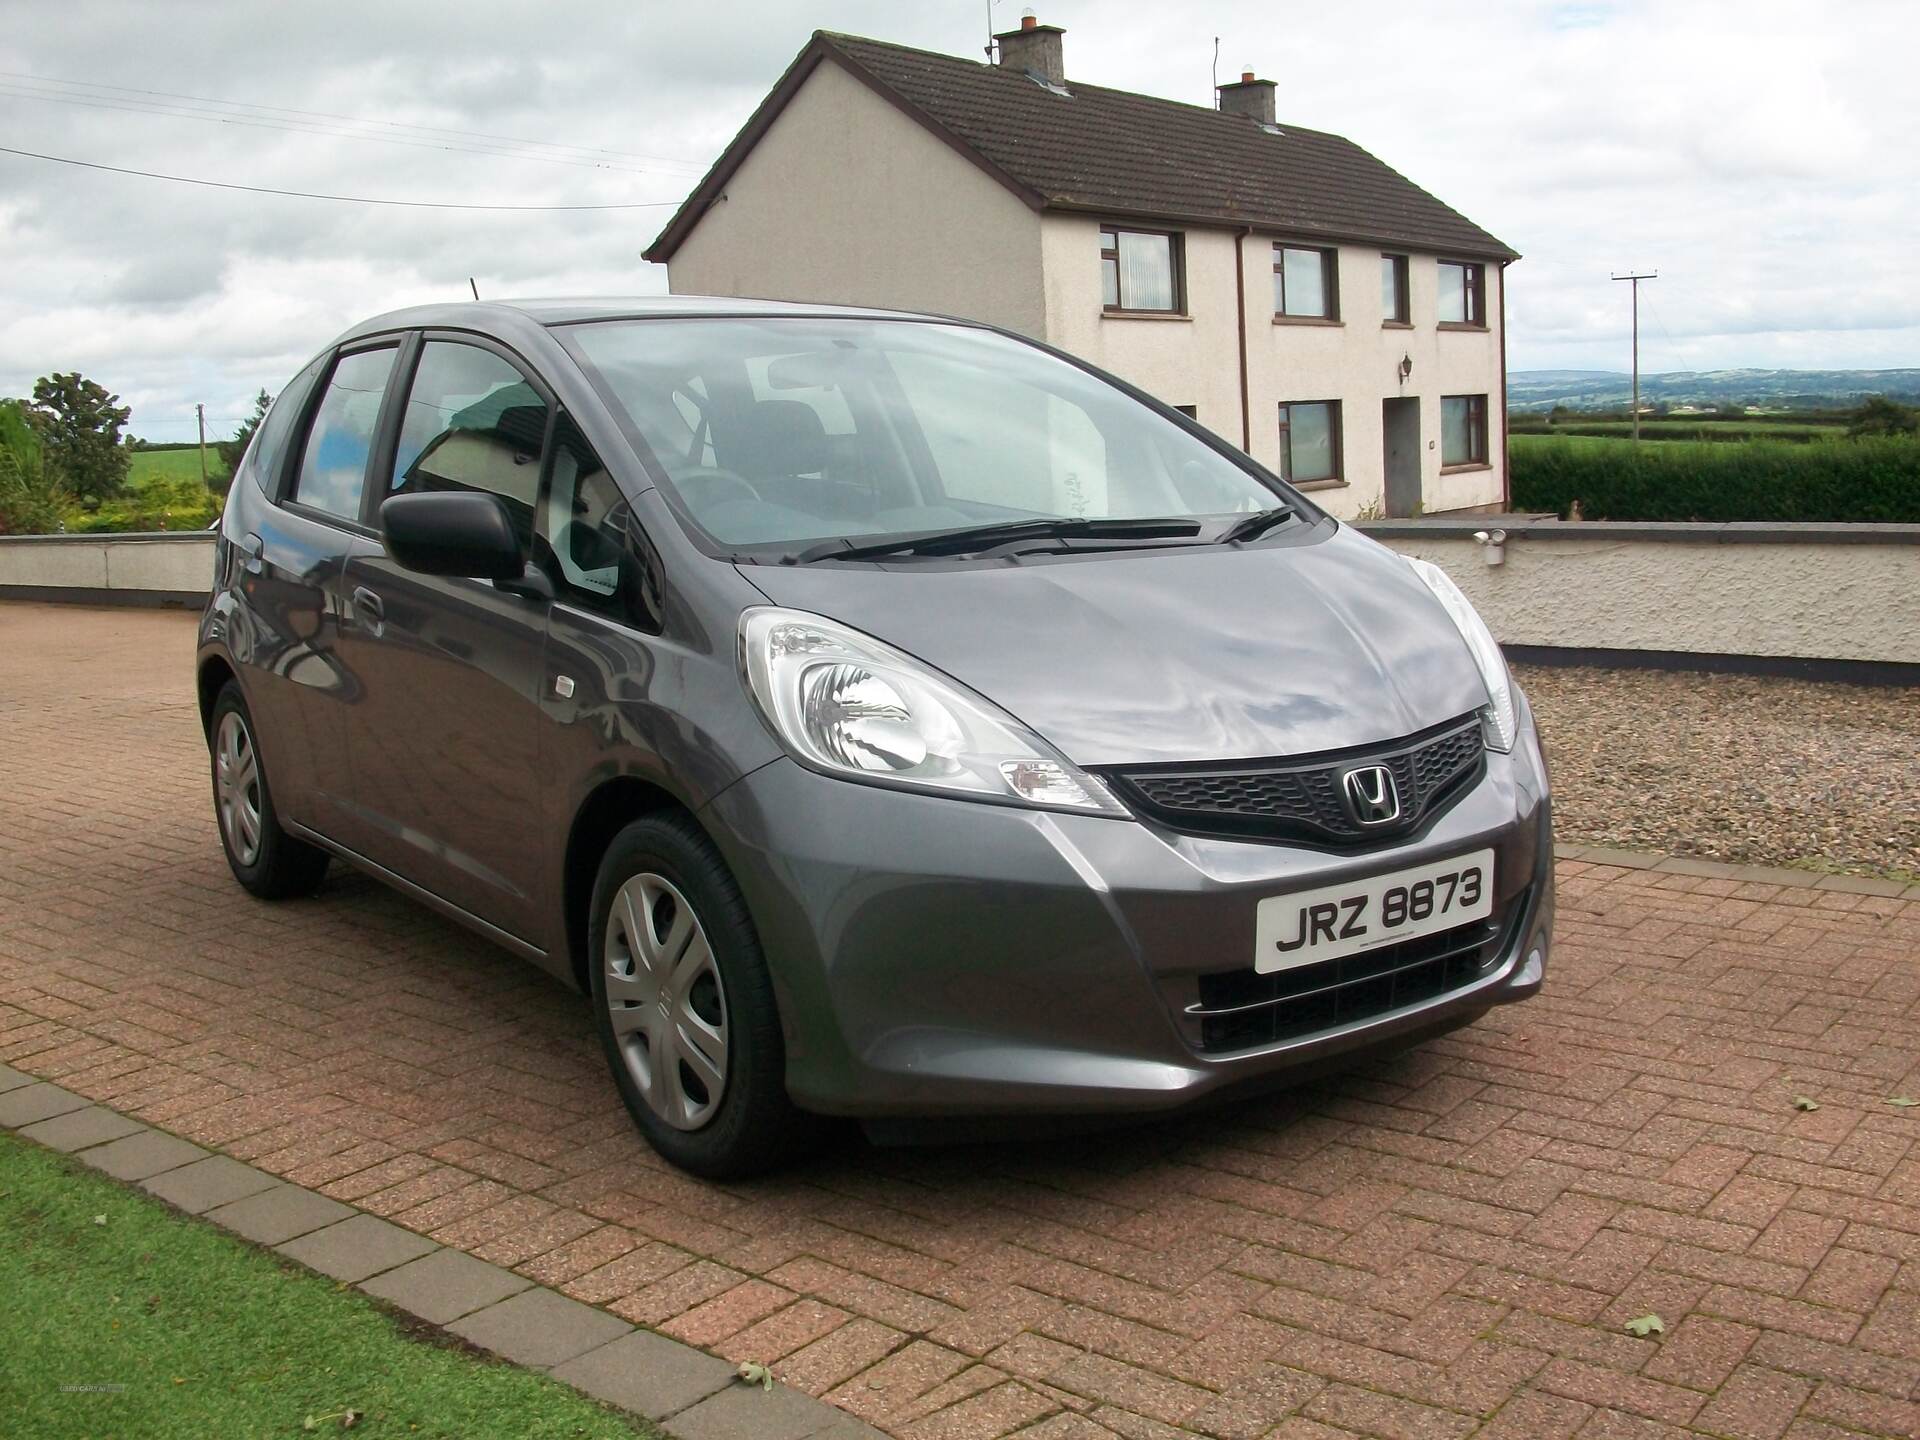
(1250, 97)
(1035, 49)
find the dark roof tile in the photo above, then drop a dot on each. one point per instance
(1134, 155)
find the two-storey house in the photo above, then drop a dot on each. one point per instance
(1282, 285)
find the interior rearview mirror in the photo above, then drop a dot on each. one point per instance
(804, 372)
(457, 532)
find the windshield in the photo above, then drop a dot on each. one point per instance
(785, 432)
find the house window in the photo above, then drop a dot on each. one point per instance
(1139, 271)
(1463, 294)
(1310, 441)
(1463, 430)
(1305, 283)
(1192, 412)
(1395, 307)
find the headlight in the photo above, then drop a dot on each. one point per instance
(1497, 716)
(850, 705)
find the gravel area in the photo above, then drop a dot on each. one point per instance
(1731, 767)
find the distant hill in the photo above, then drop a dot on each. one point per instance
(1529, 390)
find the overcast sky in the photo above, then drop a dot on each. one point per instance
(1762, 156)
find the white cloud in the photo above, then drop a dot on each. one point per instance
(1758, 154)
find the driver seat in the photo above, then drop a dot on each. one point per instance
(778, 441)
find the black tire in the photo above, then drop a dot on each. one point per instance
(276, 866)
(753, 1126)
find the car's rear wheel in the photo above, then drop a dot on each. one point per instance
(684, 1003)
(263, 857)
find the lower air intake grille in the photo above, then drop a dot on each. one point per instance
(1243, 1009)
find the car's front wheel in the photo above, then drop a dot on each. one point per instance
(685, 1005)
(263, 856)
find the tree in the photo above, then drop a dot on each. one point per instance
(79, 425)
(1878, 415)
(32, 499)
(232, 451)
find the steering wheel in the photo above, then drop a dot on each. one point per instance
(704, 486)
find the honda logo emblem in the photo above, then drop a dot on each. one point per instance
(1371, 794)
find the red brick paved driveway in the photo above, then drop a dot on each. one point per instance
(1444, 1245)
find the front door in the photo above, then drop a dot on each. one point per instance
(446, 737)
(1400, 420)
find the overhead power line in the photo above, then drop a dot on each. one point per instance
(86, 87)
(300, 127)
(315, 195)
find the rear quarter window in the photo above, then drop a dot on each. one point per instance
(269, 447)
(333, 464)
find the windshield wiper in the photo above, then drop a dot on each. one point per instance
(1258, 523)
(980, 537)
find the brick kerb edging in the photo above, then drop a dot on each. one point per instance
(598, 1353)
(1745, 874)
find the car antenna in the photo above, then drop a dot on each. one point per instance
(473, 287)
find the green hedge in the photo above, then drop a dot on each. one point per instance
(163, 504)
(1845, 480)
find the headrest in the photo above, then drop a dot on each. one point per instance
(778, 437)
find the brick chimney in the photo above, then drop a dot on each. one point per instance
(1034, 48)
(1249, 97)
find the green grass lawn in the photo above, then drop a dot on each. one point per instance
(119, 1317)
(151, 465)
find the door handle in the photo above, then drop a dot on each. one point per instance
(251, 548)
(368, 608)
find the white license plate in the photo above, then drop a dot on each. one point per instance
(1336, 920)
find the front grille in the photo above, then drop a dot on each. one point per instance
(1300, 798)
(1243, 1009)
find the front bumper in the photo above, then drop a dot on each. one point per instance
(938, 957)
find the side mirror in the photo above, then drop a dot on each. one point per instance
(453, 532)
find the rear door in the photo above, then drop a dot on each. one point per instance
(446, 730)
(290, 566)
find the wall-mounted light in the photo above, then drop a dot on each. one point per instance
(1406, 368)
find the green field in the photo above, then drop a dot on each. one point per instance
(1531, 442)
(1680, 431)
(123, 1317)
(151, 465)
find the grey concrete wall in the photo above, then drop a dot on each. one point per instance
(1829, 592)
(136, 569)
(1824, 592)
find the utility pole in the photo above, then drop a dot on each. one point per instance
(201, 412)
(1636, 279)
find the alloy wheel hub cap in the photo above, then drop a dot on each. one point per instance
(666, 1001)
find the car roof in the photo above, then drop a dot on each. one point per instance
(482, 314)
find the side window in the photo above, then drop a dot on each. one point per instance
(472, 422)
(333, 468)
(270, 440)
(599, 557)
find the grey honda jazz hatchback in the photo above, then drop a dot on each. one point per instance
(876, 715)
